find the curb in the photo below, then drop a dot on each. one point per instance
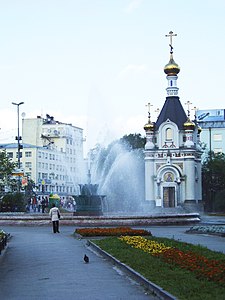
(157, 290)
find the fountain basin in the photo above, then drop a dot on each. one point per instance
(25, 219)
(88, 205)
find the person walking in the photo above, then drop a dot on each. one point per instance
(54, 213)
(43, 204)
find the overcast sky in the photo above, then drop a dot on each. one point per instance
(97, 63)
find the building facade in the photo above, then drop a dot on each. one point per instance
(52, 155)
(212, 122)
(173, 152)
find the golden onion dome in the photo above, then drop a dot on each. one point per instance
(172, 68)
(149, 126)
(189, 125)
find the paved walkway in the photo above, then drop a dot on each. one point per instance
(40, 265)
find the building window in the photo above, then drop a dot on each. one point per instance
(169, 134)
(28, 164)
(28, 154)
(10, 154)
(217, 137)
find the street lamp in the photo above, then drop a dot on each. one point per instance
(18, 138)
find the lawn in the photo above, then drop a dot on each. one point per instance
(184, 270)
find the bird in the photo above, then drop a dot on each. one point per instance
(86, 259)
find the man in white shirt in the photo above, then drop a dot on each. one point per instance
(54, 213)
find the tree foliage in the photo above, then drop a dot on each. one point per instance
(6, 165)
(213, 180)
(135, 141)
(6, 169)
(13, 203)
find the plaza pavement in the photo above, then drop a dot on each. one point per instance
(40, 265)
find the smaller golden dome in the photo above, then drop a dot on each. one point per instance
(172, 68)
(189, 125)
(149, 126)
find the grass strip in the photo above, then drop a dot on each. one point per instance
(179, 282)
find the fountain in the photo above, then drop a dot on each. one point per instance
(119, 174)
(89, 202)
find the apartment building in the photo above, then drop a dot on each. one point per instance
(212, 123)
(52, 155)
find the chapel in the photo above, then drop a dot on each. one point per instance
(173, 151)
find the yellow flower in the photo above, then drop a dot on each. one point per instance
(144, 244)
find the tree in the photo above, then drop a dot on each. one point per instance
(213, 182)
(13, 203)
(135, 141)
(6, 169)
(29, 190)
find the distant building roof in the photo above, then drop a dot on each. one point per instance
(15, 145)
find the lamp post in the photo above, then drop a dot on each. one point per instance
(18, 138)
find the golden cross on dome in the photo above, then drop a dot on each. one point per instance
(188, 103)
(195, 110)
(157, 111)
(149, 107)
(170, 35)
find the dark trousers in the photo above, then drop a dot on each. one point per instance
(55, 225)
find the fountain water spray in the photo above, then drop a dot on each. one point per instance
(119, 173)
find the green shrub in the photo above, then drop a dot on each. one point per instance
(13, 203)
(219, 204)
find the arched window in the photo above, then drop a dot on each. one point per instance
(169, 134)
(171, 83)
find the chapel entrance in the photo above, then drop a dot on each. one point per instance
(169, 197)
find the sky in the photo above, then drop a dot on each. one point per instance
(97, 63)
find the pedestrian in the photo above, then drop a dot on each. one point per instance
(34, 204)
(43, 205)
(54, 213)
(39, 204)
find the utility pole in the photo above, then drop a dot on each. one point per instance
(18, 138)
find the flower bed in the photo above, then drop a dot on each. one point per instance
(146, 245)
(208, 229)
(114, 231)
(210, 269)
